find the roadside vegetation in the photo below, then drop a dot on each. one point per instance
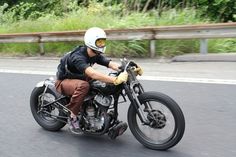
(62, 15)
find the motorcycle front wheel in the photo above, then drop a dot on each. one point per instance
(166, 121)
(43, 115)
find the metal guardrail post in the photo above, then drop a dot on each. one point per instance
(152, 48)
(203, 46)
(41, 48)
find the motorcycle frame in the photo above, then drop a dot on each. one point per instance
(129, 88)
(56, 103)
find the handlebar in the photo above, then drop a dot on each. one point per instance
(125, 64)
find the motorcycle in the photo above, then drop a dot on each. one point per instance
(154, 118)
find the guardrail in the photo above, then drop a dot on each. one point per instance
(202, 32)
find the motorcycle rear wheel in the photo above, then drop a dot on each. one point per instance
(44, 120)
(167, 127)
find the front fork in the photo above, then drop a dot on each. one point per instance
(132, 93)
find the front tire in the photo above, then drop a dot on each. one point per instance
(167, 127)
(44, 120)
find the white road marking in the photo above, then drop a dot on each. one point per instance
(27, 72)
(190, 80)
(151, 78)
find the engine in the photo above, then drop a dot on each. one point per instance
(96, 112)
(103, 101)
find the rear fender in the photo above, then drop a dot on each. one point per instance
(40, 84)
(49, 84)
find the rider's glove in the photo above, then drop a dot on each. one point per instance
(139, 70)
(122, 77)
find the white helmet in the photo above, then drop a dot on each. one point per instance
(95, 39)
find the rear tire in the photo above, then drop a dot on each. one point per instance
(177, 116)
(44, 121)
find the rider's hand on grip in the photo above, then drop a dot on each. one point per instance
(122, 77)
(139, 70)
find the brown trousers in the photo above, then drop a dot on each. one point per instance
(75, 88)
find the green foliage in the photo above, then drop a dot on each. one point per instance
(218, 10)
(18, 13)
(61, 15)
(171, 48)
(222, 45)
(183, 16)
(19, 49)
(2, 16)
(127, 49)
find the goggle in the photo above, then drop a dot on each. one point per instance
(100, 42)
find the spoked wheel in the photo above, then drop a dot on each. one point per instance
(166, 123)
(45, 116)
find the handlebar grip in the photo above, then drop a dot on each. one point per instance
(133, 64)
(125, 64)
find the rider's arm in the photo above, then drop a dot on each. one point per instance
(90, 72)
(107, 62)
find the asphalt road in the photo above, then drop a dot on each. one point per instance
(204, 72)
(209, 109)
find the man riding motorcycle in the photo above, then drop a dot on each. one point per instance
(75, 70)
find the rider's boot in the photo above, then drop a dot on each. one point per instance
(117, 130)
(74, 125)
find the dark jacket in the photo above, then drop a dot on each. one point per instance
(73, 64)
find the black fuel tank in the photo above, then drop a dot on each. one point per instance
(105, 88)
